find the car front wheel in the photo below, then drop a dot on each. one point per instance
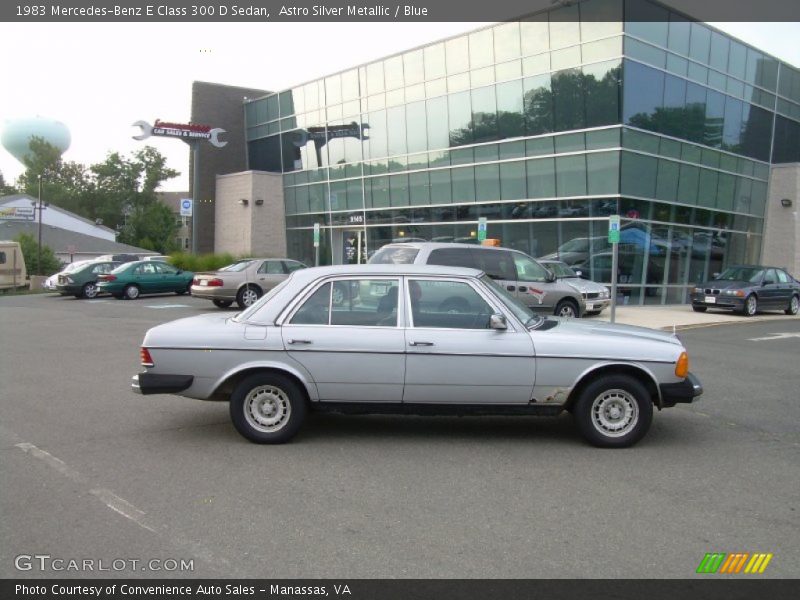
(699, 308)
(222, 303)
(613, 412)
(267, 408)
(750, 306)
(566, 308)
(794, 306)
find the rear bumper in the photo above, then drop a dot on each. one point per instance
(682, 392)
(213, 293)
(153, 383)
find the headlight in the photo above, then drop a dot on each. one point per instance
(698, 290)
(606, 293)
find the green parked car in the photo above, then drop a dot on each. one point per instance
(131, 280)
(82, 282)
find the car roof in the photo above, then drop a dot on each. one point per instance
(380, 269)
(437, 245)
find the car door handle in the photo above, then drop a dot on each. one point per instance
(510, 288)
(522, 288)
(298, 341)
(420, 343)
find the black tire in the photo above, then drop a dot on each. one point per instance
(248, 295)
(699, 308)
(186, 290)
(222, 303)
(615, 411)
(567, 308)
(750, 306)
(89, 290)
(794, 305)
(131, 292)
(268, 408)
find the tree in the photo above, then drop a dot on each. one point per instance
(5, 189)
(30, 250)
(120, 192)
(151, 226)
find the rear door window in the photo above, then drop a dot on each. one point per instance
(497, 264)
(453, 257)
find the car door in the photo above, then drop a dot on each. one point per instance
(532, 286)
(454, 357)
(785, 288)
(355, 349)
(147, 278)
(169, 279)
(770, 292)
(270, 274)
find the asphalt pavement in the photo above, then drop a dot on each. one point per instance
(91, 471)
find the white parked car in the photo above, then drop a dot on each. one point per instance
(407, 350)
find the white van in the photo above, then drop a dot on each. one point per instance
(12, 266)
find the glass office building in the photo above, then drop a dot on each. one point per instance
(545, 127)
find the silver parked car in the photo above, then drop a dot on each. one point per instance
(595, 295)
(520, 274)
(244, 281)
(401, 352)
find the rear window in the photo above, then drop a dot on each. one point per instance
(389, 255)
(453, 257)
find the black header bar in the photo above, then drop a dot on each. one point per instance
(256, 11)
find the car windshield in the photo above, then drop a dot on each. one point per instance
(751, 274)
(389, 255)
(249, 314)
(521, 312)
(240, 265)
(561, 269)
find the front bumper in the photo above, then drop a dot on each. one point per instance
(682, 392)
(153, 383)
(597, 304)
(719, 301)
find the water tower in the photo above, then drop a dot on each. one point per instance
(16, 135)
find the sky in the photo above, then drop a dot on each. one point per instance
(98, 78)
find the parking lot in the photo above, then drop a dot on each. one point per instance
(92, 471)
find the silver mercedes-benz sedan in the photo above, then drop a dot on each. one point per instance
(414, 339)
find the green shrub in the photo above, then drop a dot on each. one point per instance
(203, 262)
(30, 250)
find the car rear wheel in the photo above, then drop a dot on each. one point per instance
(566, 308)
(699, 308)
(222, 303)
(750, 307)
(247, 296)
(613, 412)
(268, 408)
(89, 290)
(131, 292)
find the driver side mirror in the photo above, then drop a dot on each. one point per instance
(550, 277)
(579, 274)
(498, 321)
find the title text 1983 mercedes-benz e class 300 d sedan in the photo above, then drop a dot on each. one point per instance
(414, 339)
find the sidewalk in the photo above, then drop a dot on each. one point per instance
(681, 317)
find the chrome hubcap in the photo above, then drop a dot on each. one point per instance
(795, 305)
(567, 311)
(267, 408)
(249, 297)
(91, 290)
(751, 306)
(615, 413)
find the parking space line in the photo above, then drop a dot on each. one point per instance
(123, 507)
(168, 305)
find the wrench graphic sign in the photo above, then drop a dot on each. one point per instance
(188, 132)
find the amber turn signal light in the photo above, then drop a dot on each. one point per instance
(682, 366)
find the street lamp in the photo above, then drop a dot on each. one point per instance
(39, 249)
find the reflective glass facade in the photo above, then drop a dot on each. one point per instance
(545, 127)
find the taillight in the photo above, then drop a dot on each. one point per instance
(216, 282)
(682, 366)
(195, 281)
(107, 277)
(144, 355)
